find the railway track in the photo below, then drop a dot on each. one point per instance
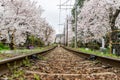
(106, 60)
(4, 68)
(61, 64)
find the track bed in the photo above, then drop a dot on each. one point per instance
(60, 64)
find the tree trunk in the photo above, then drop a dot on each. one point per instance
(11, 44)
(114, 36)
(115, 46)
(27, 44)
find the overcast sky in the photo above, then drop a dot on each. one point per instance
(51, 12)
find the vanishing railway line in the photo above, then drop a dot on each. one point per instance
(60, 64)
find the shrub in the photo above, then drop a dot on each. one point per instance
(2, 46)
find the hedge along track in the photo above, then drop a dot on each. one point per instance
(4, 64)
(61, 64)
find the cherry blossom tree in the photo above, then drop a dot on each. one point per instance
(18, 19)
(49, 34)
(97, 18)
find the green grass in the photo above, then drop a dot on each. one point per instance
(3, 47)
(0, 58)
(23, 51)
(12, 53)
(4, 53)
(17, 52)
(95, 52)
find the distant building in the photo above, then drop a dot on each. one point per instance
(59, 38)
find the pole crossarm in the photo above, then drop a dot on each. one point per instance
(65, 5)
(65, 2)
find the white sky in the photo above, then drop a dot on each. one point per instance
(52, 13)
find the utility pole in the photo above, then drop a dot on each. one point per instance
(64, 34)
(65, 6)
(67, 32)
(76, 1)
(60, 19)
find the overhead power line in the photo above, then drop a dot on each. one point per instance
(65, 2)
(59, 15)
(65, 6)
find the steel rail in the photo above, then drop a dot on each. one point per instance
(105, 60)
(4, 68)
